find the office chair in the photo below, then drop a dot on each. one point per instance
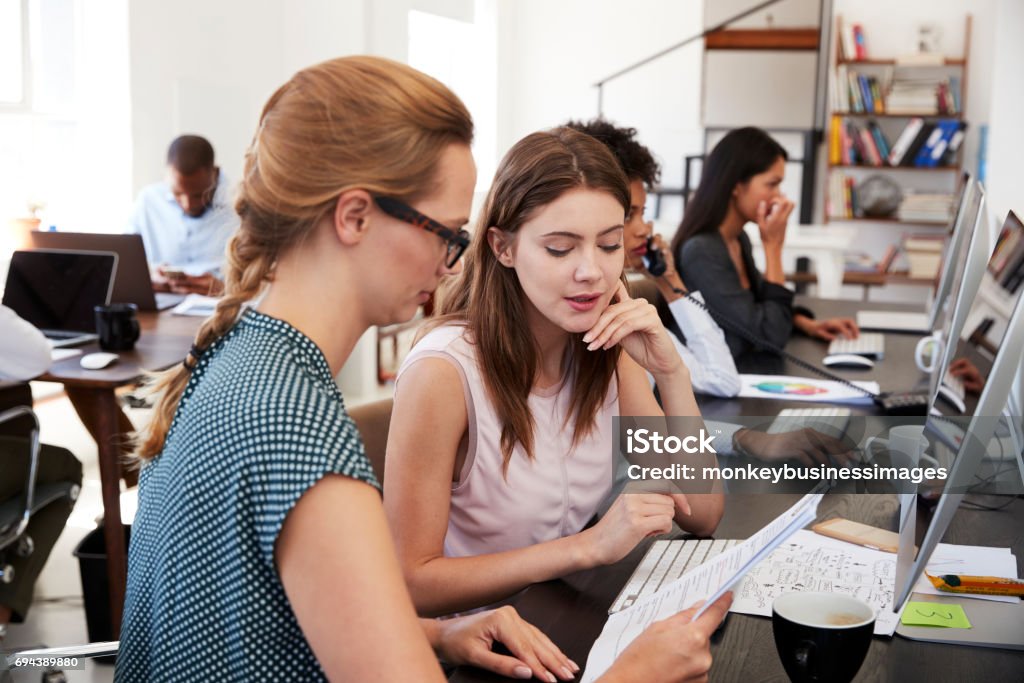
(373, 421)
(16, 512)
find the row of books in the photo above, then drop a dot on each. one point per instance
(920, 144)
(917, 93)
(906, 93)
(1007, 263)
(841, 201)
(858, 93)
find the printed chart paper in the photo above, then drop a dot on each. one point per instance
(785, 388)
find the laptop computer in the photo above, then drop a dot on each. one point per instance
(132, 284)
(57, 291)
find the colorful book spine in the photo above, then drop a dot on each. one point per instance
(876, 95)
(856, 99)
(880, 141)
(865, 89)
(903, 142)
(860, 44)
(871, 152)
(835, 150)
(948, 129)
(949, 158)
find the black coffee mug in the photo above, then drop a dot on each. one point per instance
(822, 636)
(117, 326)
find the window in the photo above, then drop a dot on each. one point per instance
(13, 35)
(463, 56)
(65, 127)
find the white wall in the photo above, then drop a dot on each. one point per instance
(1005, 173)
(550, 54)
(208, 67)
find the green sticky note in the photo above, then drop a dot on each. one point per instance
(934, 614)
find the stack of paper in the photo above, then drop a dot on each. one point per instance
(197, 305)
(925, 208)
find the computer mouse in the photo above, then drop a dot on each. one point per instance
(848, 360)
(97, 361)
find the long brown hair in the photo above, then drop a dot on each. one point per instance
(488, 299)
(353, 122)
(739, 156)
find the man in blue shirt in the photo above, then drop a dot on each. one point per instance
(186, 220)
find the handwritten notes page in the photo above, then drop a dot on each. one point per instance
(811, 562)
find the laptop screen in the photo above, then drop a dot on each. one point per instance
(57, 290)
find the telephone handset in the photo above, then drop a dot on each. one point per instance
(654, 260)
(902, 403)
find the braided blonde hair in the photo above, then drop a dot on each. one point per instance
(353, 122)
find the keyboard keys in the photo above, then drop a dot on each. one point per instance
(665, 562)
(870, 344)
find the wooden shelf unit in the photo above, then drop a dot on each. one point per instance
(956, 62)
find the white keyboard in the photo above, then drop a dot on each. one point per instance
(892, 321)
(832, 420)
(665, 562)
(870, 344)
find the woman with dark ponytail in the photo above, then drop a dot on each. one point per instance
(740, 183)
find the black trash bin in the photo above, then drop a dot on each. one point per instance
(92, 565)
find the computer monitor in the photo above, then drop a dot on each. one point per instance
(992, 339)
(964, 228)
(965, 277)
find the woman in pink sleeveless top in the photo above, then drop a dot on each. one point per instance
(501, 440)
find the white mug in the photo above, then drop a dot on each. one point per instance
(929, 348)
(908, 441)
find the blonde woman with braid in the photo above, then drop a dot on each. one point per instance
(260, 550)
(500, 446)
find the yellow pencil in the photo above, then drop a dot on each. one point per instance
(985, 585)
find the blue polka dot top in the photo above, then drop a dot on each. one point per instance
(260, 422)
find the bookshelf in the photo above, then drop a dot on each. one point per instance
(902, 119)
